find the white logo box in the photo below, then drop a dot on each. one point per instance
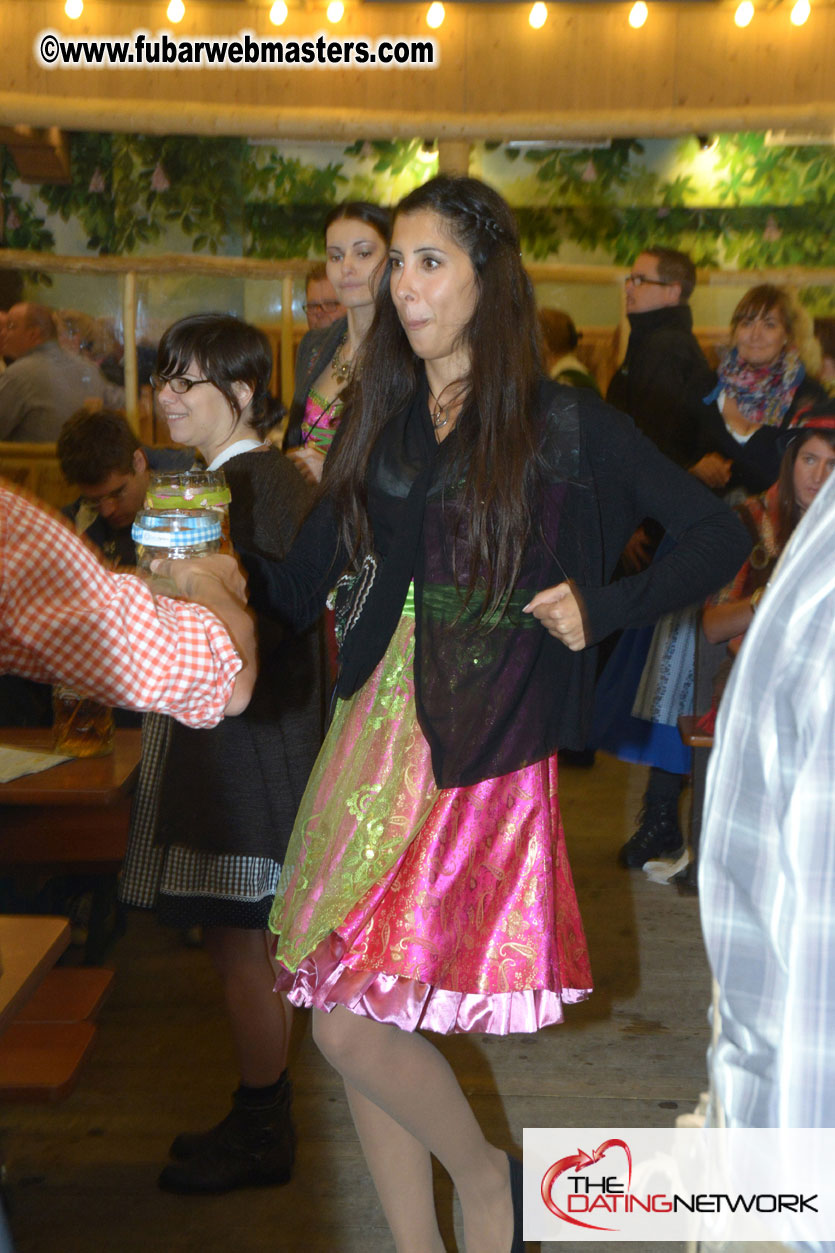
(608, 1184)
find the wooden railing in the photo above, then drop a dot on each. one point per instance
(285, 334)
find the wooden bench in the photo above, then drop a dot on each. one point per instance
(41, 1061)
(42, 1049)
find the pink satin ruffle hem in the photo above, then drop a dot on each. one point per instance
(323, 981)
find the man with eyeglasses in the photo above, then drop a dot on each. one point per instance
(321, 304)
(100, 454)
(663, 363)
(660, 384)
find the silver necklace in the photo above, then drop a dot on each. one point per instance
(441, 414)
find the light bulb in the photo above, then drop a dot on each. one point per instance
(278, 13)
(538, 15)
(336, 11)
(744, 13)
(74, 8)
(800, 12)
(435, 14)
(638, 14)
(176, 11)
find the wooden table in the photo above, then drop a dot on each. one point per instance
(29, 947)
(75, 814)
(72, 819)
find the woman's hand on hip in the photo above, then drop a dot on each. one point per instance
(560, 610)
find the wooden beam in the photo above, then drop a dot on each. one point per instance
(334, 124)
(297, 267)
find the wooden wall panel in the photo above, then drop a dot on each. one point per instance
(585, 71)
(770, 62)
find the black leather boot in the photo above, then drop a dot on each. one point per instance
(253, 1146)
(658, 835)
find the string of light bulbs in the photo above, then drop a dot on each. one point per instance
(435, 14)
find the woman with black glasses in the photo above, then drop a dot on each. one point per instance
(228, 796)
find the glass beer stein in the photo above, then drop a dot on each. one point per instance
(175, 533)
(81, 726)
(192, 489)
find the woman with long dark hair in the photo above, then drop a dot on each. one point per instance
(211, 854)
(356, 238)
(771, 518)
(427, 883)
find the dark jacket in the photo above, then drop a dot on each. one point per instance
(663, 367)
(315, 351)
(756, 463)
(490, 701)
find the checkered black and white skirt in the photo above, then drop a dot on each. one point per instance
(185, 886)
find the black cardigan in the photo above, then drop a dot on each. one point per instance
(489, 702)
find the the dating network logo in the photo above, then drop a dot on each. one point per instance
(583, 1187)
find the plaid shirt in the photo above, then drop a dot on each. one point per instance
(767, 861)
(63, 617)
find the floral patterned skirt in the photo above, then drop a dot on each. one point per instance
(448, 909)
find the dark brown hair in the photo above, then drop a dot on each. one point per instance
(675, 267)
(226, 350)
(373, 215)
(93, 444)
(788, 513)
(495, 432)
(559, 334)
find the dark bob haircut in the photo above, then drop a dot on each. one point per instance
(225, 350)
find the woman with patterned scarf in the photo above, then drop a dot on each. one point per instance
(761, 386)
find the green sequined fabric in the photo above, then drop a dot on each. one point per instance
(366, 800)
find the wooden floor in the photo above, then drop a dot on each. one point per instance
(82, 1174)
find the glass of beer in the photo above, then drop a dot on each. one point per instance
(81, 726)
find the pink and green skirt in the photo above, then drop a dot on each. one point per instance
(448, 909)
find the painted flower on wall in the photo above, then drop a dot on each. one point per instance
(772, 231)
(159, 179)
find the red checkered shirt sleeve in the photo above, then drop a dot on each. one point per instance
(65, 618)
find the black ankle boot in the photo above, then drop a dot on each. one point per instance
(254, 1145)
(658, 835)
(190, 1143)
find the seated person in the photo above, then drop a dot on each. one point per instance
(101, 455)
(45, 383)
